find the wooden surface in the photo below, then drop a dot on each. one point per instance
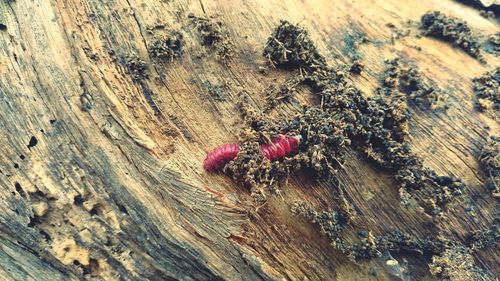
(114, 187)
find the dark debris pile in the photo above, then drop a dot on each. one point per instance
(345, 117)
(282, 93)
(486, 88)
(493, 44)
(166, 48)
(377, 127)
(135, 67)
(451, 29)
(457, 263)
(486, 238)
(330, 223)
(290, 47)
(214, 35)
(406, 82)
(451, 260)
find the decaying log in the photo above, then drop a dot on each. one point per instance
(105, 125)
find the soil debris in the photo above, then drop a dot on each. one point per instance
(167, 47)
(488, 14)
(250, 167)
(451, 260)
(397, 33)
(486, 88)
(290, 47)
(376, 126)
(406, 82)
(135, 67)
(283, 93)
(330, 222)
(494, 44)
(486, 238)
(451, 29)
(357, 67)
(457, 264)
(214, 36)
(367, 246)
(490, 161)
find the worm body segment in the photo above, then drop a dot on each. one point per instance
(278, 149)
(218, 157)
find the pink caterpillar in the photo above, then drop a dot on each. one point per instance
(278, 149)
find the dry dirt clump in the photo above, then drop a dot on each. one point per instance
(330, 223)
(357, 67)
(367, 246)
(490, 160)
(406, 82)
(486, 88)
(457, 264)
(214, 36)
(282, 93)
(344, 115)
(486, 238)
(320, 150)
(290, 47)
(451, 260)
(135, 67)
(451, 29)
(250, 167)
(494, 42)
(167, 47)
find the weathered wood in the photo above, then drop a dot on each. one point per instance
(114, 186)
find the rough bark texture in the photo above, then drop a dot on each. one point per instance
(101, 159)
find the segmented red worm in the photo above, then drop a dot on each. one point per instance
(218, 157)
(281, 146)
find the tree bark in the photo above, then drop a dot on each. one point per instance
(101, 172)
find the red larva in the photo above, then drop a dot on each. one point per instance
(218, 157)
(281, 146)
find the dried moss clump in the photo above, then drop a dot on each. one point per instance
(451, 29)
(167, 47)
(490, 160)
(290, 46)
(214, 36)
(486, 88)
(407, 82)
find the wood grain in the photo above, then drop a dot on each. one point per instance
(114, 187)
